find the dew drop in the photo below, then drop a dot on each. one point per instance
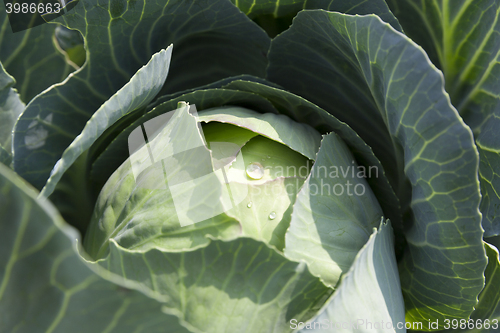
(272, 216)
(249, 205)
(255, 170)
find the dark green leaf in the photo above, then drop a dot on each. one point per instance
(213, 85)
(422, 22)
(136, 94)
(379, 82)
(486, 316)
(32, 58)
(116, 47)
(45, 286)
(462, 38)
(67, 186)
(275, 16)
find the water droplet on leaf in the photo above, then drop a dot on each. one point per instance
(272, 216)
(255, 170)
(249, 205)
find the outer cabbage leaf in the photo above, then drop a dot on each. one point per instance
(275, 16)
(236, 286)
(136, 94)
(463, 39)
(32, 58)
(379, 82)
(213, 85)
(68, 186)
(116, 48)
(369, 297)
(45, 286)
(486, 316)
